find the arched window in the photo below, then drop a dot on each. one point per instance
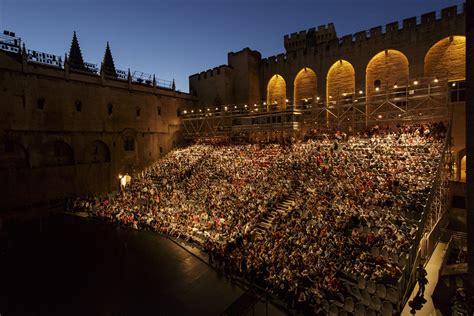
(110, 108)
(13, 155)
(97, 152)
(57, 153)
(138, 112)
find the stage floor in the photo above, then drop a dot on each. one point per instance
(65, 265)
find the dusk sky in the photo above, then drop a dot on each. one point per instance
(174, 39)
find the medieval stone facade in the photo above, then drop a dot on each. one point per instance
(321, 69)
(66, 130)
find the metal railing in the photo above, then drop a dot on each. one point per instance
(12, 44)
(424, 99)
(431, 219)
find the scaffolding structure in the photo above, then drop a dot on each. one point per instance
(424, 99)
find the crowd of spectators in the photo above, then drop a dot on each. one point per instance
(352, 200)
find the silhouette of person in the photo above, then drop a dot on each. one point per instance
(422, 281)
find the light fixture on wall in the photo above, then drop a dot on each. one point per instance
(415, 82)
(436, 80)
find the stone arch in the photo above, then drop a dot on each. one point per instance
(462, 167)
(56, 153)
(340, 79)
(13, 155)
(305, 86)
(447, 59)
(97, 152)
(276, 92)
(390, 67)
(385, 70)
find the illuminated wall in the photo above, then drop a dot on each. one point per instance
(463, 169)
(305, 86)
(390, 67)
(340, 79)
(447, 58)
(276, 91)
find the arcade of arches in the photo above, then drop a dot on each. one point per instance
(50, 154)
(384, 70)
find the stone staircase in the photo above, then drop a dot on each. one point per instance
(282, 209)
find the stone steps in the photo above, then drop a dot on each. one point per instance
(281, 210)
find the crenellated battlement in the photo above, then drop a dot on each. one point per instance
(216, 71)
(311, 38)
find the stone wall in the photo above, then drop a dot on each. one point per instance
(66, 133)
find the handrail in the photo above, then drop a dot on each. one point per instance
(422, 223)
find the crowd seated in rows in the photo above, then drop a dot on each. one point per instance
(354, 197)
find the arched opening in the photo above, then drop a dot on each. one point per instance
(462, 177)
(13, 155)
(305, 87)
(385, 70)
(447, 59)
(56, 153)
(340, 84)
(97, 152)
(340, 79)
(276, 93)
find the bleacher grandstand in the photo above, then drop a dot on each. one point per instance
(328, 224)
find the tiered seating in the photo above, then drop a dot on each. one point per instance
(326, 222)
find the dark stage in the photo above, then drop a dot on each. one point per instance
(64, 265)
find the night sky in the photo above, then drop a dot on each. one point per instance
(175, 39)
